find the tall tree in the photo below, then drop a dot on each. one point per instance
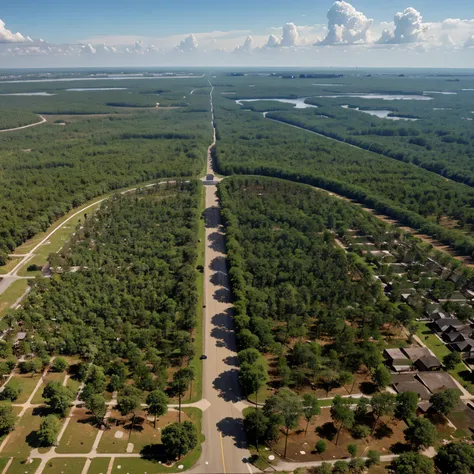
(180, 384)
(411, 463)
(383, 404)
(311, 408)
(446, 401)
(157, 402)
(406, 404)
(178, 439)
(49, 430)
(342, 415)
(253, 377)
(7, 419)
(455, 458)
(286, 405)
(96, 404)
(421, 433)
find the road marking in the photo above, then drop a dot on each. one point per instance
(222, 452)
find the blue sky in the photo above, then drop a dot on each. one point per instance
(72, 20)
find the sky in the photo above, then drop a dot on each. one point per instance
(421, 33)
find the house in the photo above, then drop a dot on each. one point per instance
(396, 360)
(442, 325)
(402, 385)
(428, 363)
(440, 315)
(468, 294)
(20, 336)
(415, 353)
(454, 336)
(436, 381)
(466, 348)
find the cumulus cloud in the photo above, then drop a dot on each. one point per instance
(87, 49)
(6, 36)
(246, 47)
(469, 42)
(408, 28)
(346, 25)
(189, 44)
(273, 42)
(290, 35)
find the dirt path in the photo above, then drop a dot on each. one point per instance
(43, 120)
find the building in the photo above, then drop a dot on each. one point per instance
(397, 360)
(427, 363)
(466, 348)
(436, 381)
(442, 325)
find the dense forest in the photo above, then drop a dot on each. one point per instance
(49, 169)
(125, 286)
(250, 144)
(292, 280)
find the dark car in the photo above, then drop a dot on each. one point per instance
(203, 357)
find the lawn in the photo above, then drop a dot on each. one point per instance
(99, 466)
(142, 435)
(11, 294)
(64, 466)
(19, 466)
(50, 377)
(27, 384)
(10, 265)
(79, 435)
(22, 439)
(461, 373)
(263, 394)
(3, 463)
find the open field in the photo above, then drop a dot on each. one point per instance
(19, 466)
(11, 295)
(79, 435)
(64, 466)
(27, 383)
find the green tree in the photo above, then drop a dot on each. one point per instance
(320, 447)
(421, 433)
(455, 458)
(342, 415)
(446, 401)
(451, 360)
(250, 356)
(411, 463)
(382, 377)
(325, 468)
(7, 419)
(49, 430)
(60, 364)
(260, 428)
(373, 458)
(252, 377)
(311, 408)
(96, 405)
(352, 450)
(286, 405)
(116, 383)
(128, 402)
(406, 404)
(180, 384)
(178, 439)
(11, 392)
(157, 402)
(383, 404)
(58, 397)
(340, 467)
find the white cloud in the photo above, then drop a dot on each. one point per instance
(346, 25)
(6, 36)
(87, 49)
(469, 42)
(408, 28)
(188, 45)
(246, 47)
(273, 42)
(290, 35)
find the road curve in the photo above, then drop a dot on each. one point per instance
(43, 120)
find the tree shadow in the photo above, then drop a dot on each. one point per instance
(212, 218)
(228, 386)
(368, 388)
(154, 453)
(233, 361)
(223, 295)
(233, 427)
(223, 320)
(218, 264)
(220, 279)
(223, 337)
(42, 411)
(383, 431)
(33, 440)
(216, 242)
(399, 448)
(328, 431)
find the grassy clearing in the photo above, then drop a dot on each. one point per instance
(22, 439)
(64, 466)
(50, 377)
(79, 435)
(27, 384)
(11, 294)
(3, 463)
(99, 466)
(11, 263)
(263, 394)
(461, 373)
(20, 466)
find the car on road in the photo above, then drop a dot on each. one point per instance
(203, 357)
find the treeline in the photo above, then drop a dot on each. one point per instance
(48, 170)
(17, 118)
(124, 288)
(408, 194)
(291, 280)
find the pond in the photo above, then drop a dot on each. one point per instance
(383, 114)
(298, 103)
(97, 89)
(43, 94)
(378, 96)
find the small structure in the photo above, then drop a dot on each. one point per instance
(436, 381)
(20, 336)
(428, 363)
(396, 360)
(466, 348)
